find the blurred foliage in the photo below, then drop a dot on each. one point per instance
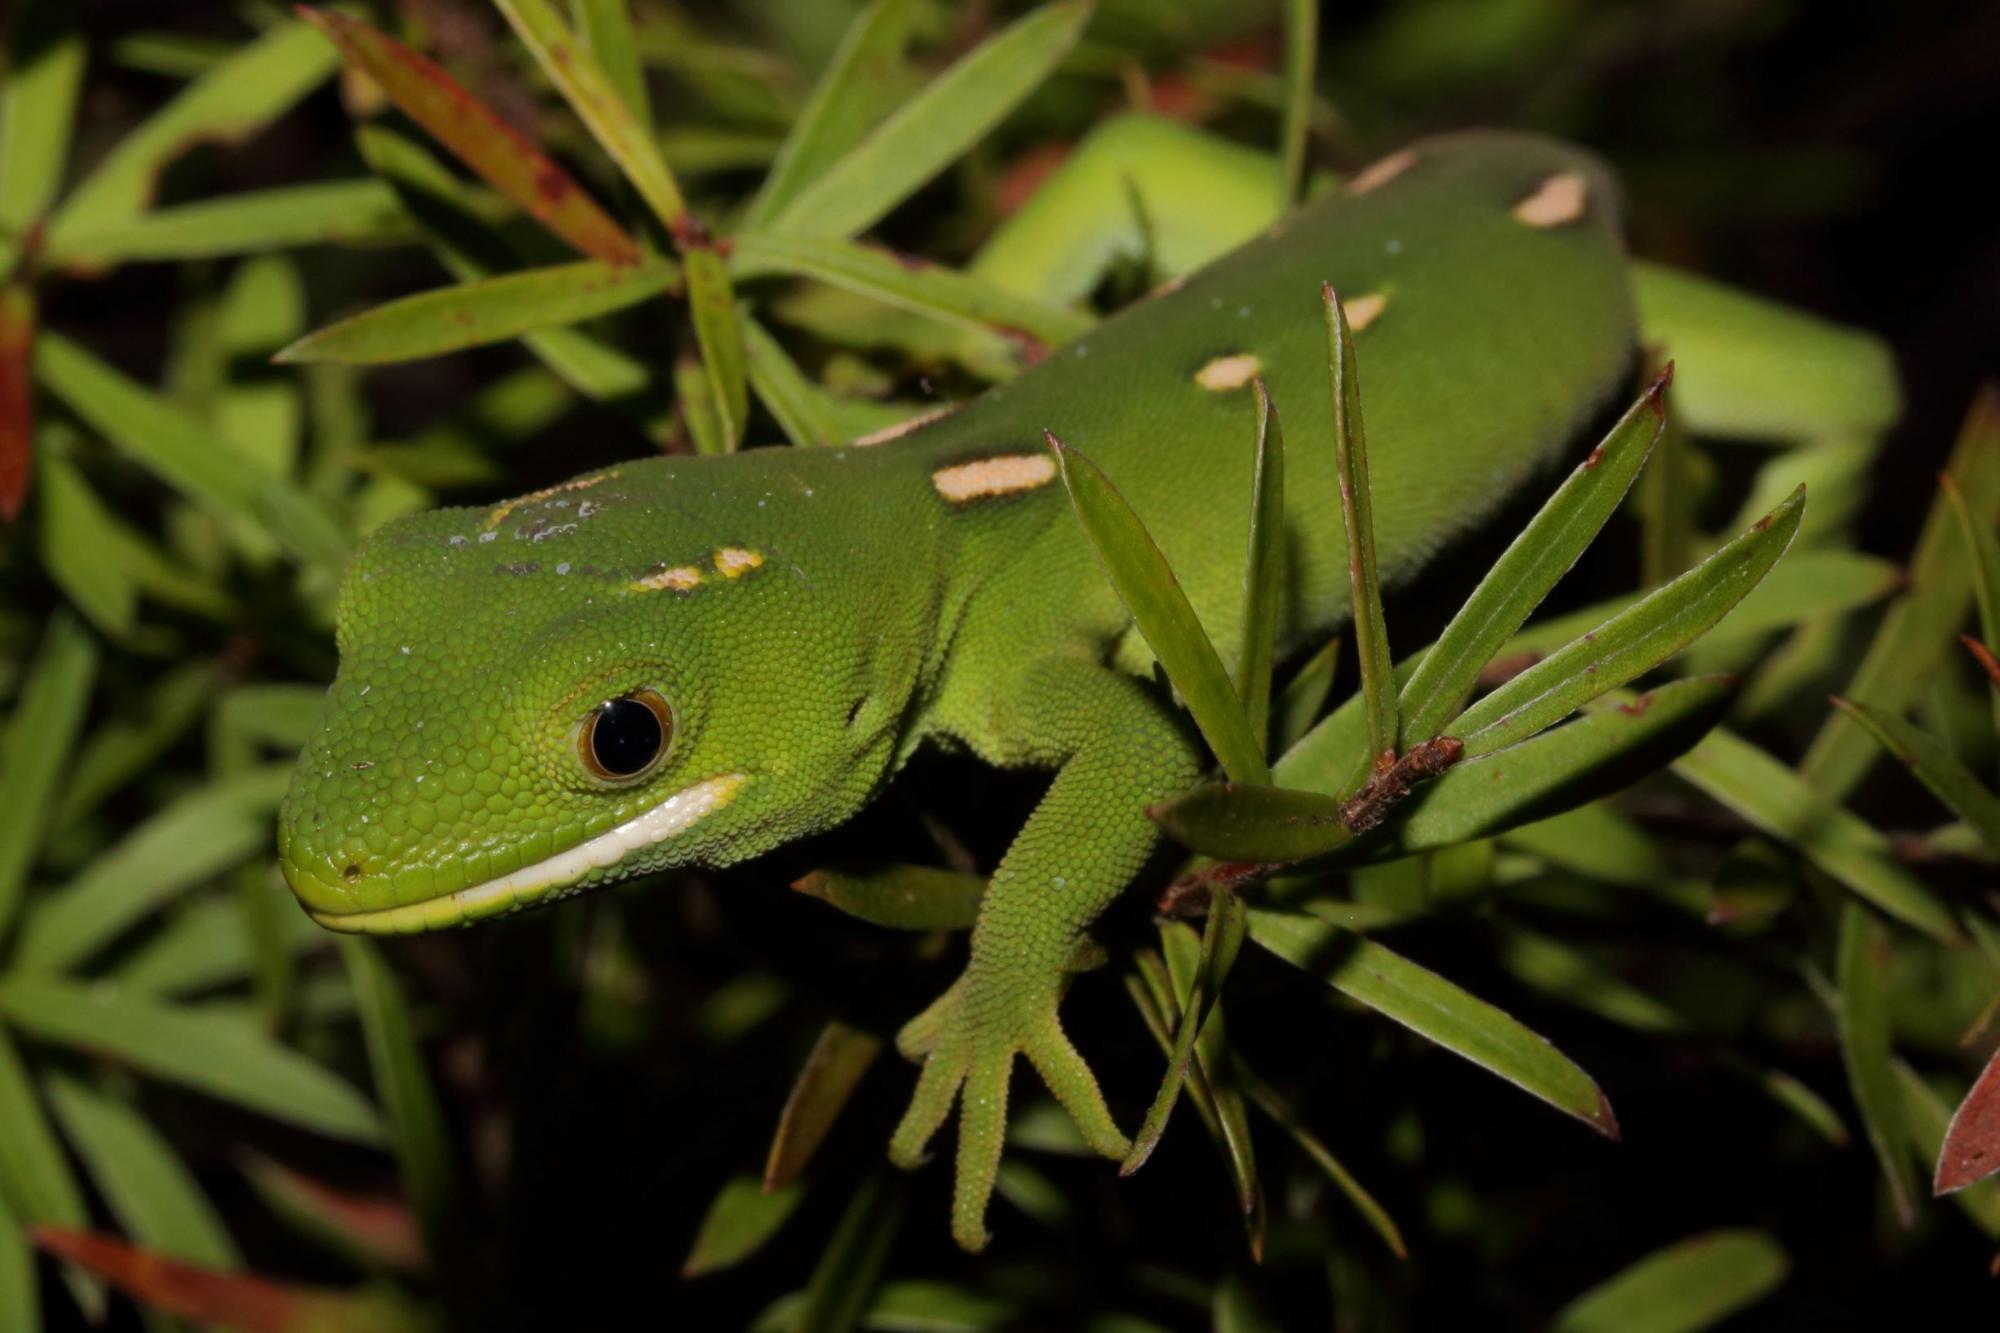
(1778, 959)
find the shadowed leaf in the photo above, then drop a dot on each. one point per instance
(1915, 635)
(1373, 1213)
(1432, 1007)
(833, 1069)
(1146, 585)
(20, 1297)
(798, 404)
(1684, 1288)
(743, 1217)
(1263, 569)
(487, 310)
(34, 1173)
(45, 59)
(1777, 800)
(508, 160)
(1533, 563)
(1198, 983)
(1301, 52)
(902, 897)
(1935, 766)
(844, 1280)
(1864, 1043)
(239, 1302)
(370, 1228)
(402, 1083)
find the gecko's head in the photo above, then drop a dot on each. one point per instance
(532, 701)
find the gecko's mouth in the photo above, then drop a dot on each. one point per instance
(518, 888)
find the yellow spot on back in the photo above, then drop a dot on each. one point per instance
(1228, 372)
(1365, 310)
(1004, 475)
(506, 507)
(675, 578)
(1379, 173)
(733, 562)
(902, 428)
(1557, 200)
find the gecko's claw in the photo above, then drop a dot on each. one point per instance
(967, 1050)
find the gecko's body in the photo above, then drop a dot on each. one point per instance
(801, 620)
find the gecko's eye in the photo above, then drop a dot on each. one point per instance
(623, 738)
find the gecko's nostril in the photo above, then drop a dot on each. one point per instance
(351, 872)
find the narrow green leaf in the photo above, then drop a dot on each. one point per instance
(1915, 636)
(1304, 697)
(910, 284)
(1197, 995)
(833, 1069)
(402, 1084)
(1984, 547)
(1559, 770)
(41, 736)
(20, 1295)
(371, 1230)
(1372, 1212)
(1263, 570)
(34, 1174)
(1556, 968)
(151, 1192)
(218, 1054)
(1146, 585)
(1191, 962)
(81, 550)
(738, 1223)
(930, 130)
(186, 843)
(233, 101)
(592, 95)
(843, 1282)
(1803, 587)
(694, 395)
(208, 943)
(1533, 563)
(1350, 451)
(1630, 643)
(510, 161)
(852, 95)
(902, 897)
(486, 310)
(353, 212)
(798, 404)
(180, 450)
(1301, 55)
(719, 331)
(1864, 1045)
(45, 56)
(1668, 495)
(470, 248)
(1434, 1008)
(1935, 766)
(1687, 1287)
(1777, 800)
(606, 29)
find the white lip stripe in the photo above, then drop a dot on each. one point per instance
(671, 817)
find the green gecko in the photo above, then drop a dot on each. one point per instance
(692, 660)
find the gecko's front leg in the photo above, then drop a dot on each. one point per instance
(1116, 747)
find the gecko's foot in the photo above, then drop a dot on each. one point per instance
(967, 1040)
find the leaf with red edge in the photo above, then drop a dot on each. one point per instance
(1971, 1150)
(376, 1228)
(508, 159)
(17, 406)
(241, 1302)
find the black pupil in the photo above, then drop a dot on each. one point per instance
(626, 737)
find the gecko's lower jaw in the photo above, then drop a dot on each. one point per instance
(518, 888)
